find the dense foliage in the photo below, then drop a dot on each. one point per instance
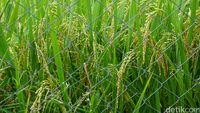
(92, 56)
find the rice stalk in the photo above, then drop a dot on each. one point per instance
(120, 74)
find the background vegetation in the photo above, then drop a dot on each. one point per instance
(93, 56)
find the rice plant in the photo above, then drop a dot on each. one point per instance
(96, 56)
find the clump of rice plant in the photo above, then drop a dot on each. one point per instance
(94, 56)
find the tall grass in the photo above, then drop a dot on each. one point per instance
(99, 55)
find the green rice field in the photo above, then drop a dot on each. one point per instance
(99, 56)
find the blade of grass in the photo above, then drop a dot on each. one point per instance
(33, 53)
(131, 21)
(193, 7)
(181, 58)
(14, 16)
(90, 24)
(115, 43)
(114, 53)
(97, 11)
(136, 110)
(4, 48)
(59, 65)
(6, 11)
